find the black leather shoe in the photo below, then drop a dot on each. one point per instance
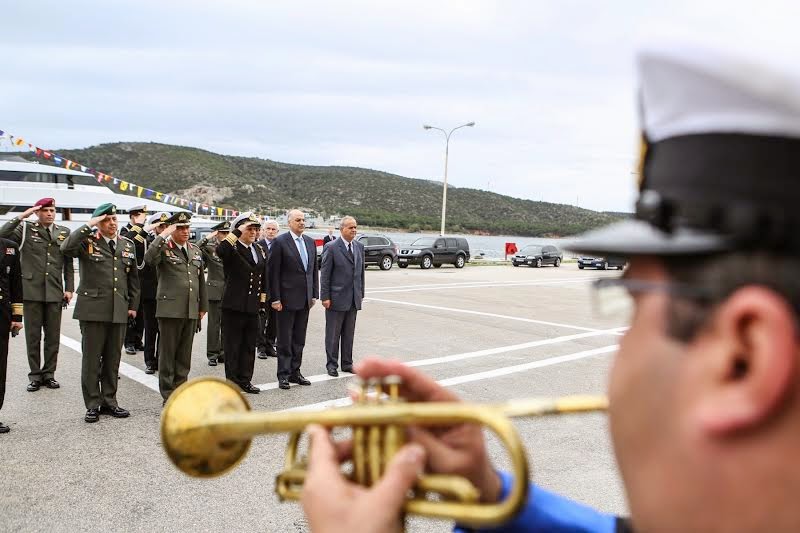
(271, 352)
(33, 386)
(149, 370)
(116, 412)
(51, 384)
(139, 347)
(92, 415)
(333, 373)
(130, 350)
(299, 379)
(212, 361)
(250, 388)
(284, 384)
(348, 369)
(4, 428)
(262, 355)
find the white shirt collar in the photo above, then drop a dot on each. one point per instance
(295, 236)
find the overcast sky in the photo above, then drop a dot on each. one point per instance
(550, 84)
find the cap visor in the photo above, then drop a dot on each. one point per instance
(635, 237)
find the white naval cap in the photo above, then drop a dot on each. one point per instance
(161, 216)
(243, 218)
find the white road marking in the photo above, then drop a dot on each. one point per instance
(148, 380)
(474, 284)
(481, 313)
(478, 376)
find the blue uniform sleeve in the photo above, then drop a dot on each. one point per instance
(546, 511)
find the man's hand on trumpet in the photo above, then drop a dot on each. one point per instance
(458, 449)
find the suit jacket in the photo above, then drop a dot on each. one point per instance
(290, 283)
(10, 282)
(342, 275)
(246, 283)
(109, 282)
(215, 280)
(43, 265)
(181, 289)
(327, 239)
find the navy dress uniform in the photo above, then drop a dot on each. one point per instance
(180, 301)
(108, 290)
(215, 286)
(47, 275)
(149, 282)
(10, 306)
(245, 296)
(135, 232)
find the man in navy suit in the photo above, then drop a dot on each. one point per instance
(294, 286)
(267, 323)
(341, 292)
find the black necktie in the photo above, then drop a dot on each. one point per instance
(113, 247)
(185, 255)
(350, 249)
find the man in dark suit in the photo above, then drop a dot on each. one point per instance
(10, 307)
(341, 292)
(215, 286)
(329, 237)
(294, 286)
(244, 297)
(267, 323)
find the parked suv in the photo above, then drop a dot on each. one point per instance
(603, 263)
(378, 250)
(536, 255)
(435, 251)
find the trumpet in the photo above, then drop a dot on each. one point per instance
(207, 427)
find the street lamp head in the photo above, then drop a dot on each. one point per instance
(470, 124)
(426, 127)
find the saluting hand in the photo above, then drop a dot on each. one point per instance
(169, 230)
(28, 212)
(96, 220)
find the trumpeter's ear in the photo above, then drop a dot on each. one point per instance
(751, 349)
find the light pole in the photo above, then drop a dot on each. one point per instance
(446, 154)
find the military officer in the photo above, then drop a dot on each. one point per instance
(108, 296)
(10, 307)
(149, 282)
(215, 285)
(245, 296)
(134, 230)
(48, 284)
(181, 299)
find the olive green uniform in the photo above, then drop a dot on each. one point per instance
(215, 285)
(180, 298)
(109, 288)
(46, 275)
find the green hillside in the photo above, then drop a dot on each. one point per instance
(376, 198)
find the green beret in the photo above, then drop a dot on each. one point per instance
(181, 218)
(222, 226)
(105, 209)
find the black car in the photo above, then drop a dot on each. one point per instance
(602, 263)
(435, 251)
(536, 255)
(378, 250)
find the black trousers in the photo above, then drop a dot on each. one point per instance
(151, 333)
(267, 331)
(5, 331)
(133, 336)
(291, 341)
(239, 341)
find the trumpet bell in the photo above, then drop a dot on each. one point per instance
(192, 441)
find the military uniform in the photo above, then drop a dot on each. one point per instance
(135, 232)
(245, 296)
(10, 306)
(47, 274)
(215, 286)
(181, 297)
(109, 288)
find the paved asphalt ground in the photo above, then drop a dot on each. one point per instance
(508, 333)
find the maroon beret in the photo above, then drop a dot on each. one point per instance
(46, 202)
